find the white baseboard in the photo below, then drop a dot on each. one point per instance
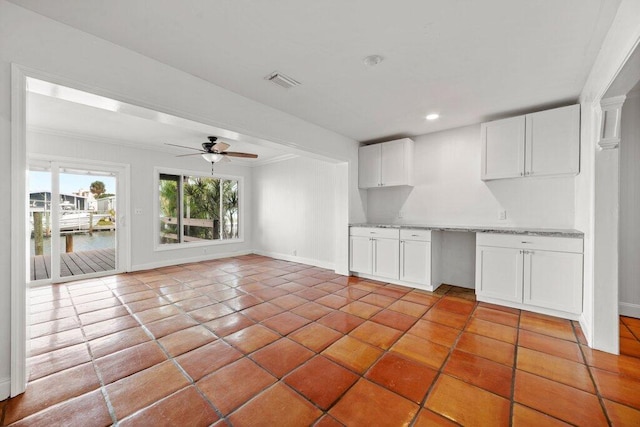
(586, 329)
(5, 388)
(177, 261)
(301, 260)
(628, 309)
(533, 308)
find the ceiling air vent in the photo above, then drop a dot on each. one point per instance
(282, 80)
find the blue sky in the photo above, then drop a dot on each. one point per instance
(41, 181)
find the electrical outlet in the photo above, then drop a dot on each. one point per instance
(138, 211)
(400, 214)
(502, 215)
(295, 252)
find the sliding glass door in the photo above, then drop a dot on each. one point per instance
(74, 217)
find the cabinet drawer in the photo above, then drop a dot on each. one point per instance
(415, 234)
(385, 233)
(558, 244)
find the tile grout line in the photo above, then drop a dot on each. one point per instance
(103, 389)
(316, 354)
(359, 375)
(169, 356)
(637, 337)
(218, 412)
(440, 371)
(514, 370)
(384, 352)
(593, 380)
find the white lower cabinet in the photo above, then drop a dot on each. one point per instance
(499, 273)
(401, 256)
(415, 261)
(553, 280)
(385, 258)
(374, 251)
(533, 272)
(360, 254)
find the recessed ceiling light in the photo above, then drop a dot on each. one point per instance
(433, 116)
(372, 60)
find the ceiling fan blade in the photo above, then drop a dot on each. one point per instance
(192, 154)
(220, 146)
(236, 154)
(224, 159)
(182, 146)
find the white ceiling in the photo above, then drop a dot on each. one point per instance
(53, 115)
(468, 60)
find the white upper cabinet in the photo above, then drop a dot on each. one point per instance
(503, 148)
(386, 164)
(369, 171)
(553, 142)
(546, 143)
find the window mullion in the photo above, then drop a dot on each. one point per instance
(221, 213)
(180, 208)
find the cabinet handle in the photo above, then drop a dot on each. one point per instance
(415, 235)
(373, 232)
(521, 173)
(526, 242)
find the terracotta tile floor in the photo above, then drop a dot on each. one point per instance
(256, 341)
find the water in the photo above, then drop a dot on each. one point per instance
(81, 242)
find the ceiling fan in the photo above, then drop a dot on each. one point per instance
(214, 152)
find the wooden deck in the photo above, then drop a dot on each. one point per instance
(74, 263)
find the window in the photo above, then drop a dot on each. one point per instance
(197, 208)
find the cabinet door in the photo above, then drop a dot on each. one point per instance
(553, 142)
(386, 258)
(415, 262)
(499, 273)
(360, 254)
(369, 166)
(394, 167)
(503, 148)
(553, 280)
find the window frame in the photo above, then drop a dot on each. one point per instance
(157, 246)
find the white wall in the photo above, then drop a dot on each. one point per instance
(294, 210)
(86, 62)
(458, 259)
(629, 274)
(448, 190)
(142, 163)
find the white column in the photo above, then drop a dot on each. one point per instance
(606, 218)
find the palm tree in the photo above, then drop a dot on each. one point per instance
(230, 205)
(169, 208)
(202, 201)
(97, 188)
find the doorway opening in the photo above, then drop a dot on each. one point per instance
(73, 213)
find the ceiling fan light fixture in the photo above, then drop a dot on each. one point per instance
(432, 116)
(212, 157)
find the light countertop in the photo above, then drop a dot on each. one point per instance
(483, 229)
